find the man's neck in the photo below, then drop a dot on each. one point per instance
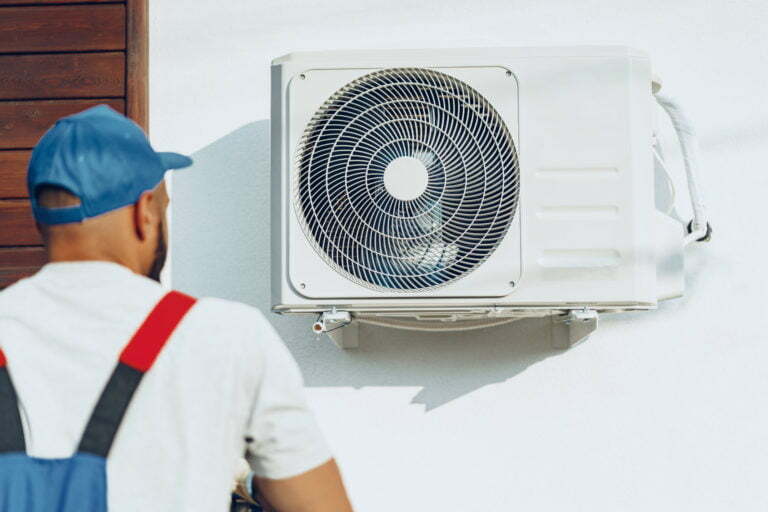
(64, 254)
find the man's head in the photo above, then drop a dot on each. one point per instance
(135, 236)
(98, 192)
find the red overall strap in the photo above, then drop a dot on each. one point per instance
(11, 430)
(149, 340)
(135, 360)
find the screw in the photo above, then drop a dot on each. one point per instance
(509, 73)
(303, 76)
(302, 285)
(511, 283)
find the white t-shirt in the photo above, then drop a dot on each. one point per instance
(223, 385)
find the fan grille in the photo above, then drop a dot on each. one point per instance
(389, 243)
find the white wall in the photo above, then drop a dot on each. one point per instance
(658, 411)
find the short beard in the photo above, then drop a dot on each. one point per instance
(161, 252)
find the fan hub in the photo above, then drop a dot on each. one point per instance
(405, 178)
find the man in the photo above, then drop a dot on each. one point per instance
(174, 425)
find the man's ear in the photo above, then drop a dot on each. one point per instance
(144, 215)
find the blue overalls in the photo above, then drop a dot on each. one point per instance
(79, 483)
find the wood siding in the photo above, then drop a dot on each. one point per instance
(18, 224)
(18, 262)
(45, 2)
(59, 57)
(62, 75)
(22, 123)
(63, 29)
(13, 180)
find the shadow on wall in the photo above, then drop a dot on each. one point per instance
(220, 241)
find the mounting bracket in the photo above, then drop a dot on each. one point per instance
(347, 336)
(572, 328)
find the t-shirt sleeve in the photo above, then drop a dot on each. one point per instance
(283, 437)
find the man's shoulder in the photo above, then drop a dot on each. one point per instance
(12, 295)
(217, 327)
(229, 319)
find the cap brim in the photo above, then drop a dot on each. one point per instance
(174, 160)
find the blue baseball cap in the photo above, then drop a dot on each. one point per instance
(101, 157)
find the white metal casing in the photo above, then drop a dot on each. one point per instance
(584, 232)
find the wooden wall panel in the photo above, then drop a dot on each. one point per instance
(30, 2)
(62, 28)
(22, 123)
(18, 223)
(13, 173)
(137, 63)
(62, 75)
(18, 262)
(58, 57)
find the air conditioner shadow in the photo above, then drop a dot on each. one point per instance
(221, 247)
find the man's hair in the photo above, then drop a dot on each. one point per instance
(50, 196)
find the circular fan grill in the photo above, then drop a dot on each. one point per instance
(407, 179)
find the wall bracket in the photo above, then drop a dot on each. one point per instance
(347, 336)
(572, 328)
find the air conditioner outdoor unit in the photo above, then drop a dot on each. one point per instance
(456, 189)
